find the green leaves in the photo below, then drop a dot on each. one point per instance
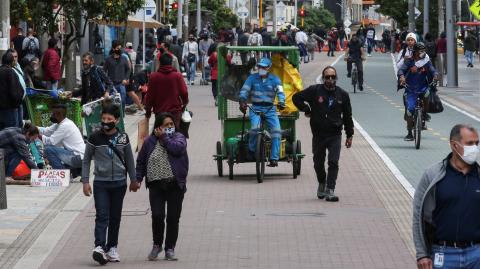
(318, 17)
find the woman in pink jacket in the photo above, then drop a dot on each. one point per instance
(51, 65)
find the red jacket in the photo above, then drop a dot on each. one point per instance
(167, 91)
(51, 65)
(442, 45)
(213, 62)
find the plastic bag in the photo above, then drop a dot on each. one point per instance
(434, 103)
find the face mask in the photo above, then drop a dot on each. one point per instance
(470, 154)
(262, 72)
(108, 126)
(53, 119)
(117, 52)
(169, 131)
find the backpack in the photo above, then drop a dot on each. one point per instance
(32, 48)
(430, 49)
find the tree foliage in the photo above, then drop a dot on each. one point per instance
(318, 17)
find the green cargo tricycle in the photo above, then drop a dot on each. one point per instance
(234, 66)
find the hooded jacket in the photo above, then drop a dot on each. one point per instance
(51, 65)
(167, 91)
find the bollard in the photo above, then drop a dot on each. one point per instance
(3, 186)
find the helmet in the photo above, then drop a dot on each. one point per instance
(419, 46)
(265, 62)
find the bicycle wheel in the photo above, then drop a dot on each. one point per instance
(418, 128)
(230, 162)
(219, 159)
(299, 160)
(294, 159)
(260, 156)
(354, 80)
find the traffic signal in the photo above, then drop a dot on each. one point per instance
(302, 12)
(175, 5)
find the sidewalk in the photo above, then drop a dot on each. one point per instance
(467, 95)
(277, 224)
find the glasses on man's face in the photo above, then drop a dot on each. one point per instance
(330, 77)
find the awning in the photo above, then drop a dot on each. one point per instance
(366, 2)
(368, 21)
(132, 22)
(468, 23)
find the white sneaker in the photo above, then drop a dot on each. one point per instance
(99, 255)
(369, 55)
(113, 255)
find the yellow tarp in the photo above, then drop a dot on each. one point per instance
(291, 79)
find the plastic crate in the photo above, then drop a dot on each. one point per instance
(39, 109)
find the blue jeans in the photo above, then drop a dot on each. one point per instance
(370, 44)
(191, 69)
(469, 56)
(456, 258)
(273, 125)
(108, 206)
(60, 158)
(12, 161)
(52, 85)
(11, 117)
(123, 94)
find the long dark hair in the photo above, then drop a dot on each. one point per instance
(159, 119)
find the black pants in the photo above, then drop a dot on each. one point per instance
(320, 146)
(214, 88)
(359, 64)
(108, 205)
(173, 197)
(332, 46)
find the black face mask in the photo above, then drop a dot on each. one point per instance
(108, 126)
(53, 119)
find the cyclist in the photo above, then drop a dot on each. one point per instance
(415, 74)
(262, 87)
(355, 53)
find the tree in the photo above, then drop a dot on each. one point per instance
(318, 17)
(45, 16)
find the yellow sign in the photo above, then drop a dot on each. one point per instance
(475, 9)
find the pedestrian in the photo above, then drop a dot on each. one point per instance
(431, 48)
(165, 48)
(167, 91)
(117, 68)
(203, 46)
(370, 39)
(442, 53)
(95, 83)
(329, 109)
(31, 46)
(11, 92)
(312, 43)
(113, 157)
(14, 141)
(51, 65)
(332, 42)
(29, 69)
(469, 45)
(355, 54)
(163, 162)
(341, 37)
(387, 41)
(64, 145)
(132, 55)
(213, 62)
(17, 42)
(243, 38)
(266, 37)
(301, 40)
(190, 58)
(176, 49)
(445, 208)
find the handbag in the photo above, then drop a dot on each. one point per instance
(434, 102)
(186, 116)
(191, 56)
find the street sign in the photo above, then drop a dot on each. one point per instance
(242, 12)
(150, 8)
(417, 13)
(347, 23)
(475, 9)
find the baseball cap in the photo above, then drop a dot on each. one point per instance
(129, 44)
(264, 62)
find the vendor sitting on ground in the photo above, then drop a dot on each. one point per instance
(14, 141)
(64, 145)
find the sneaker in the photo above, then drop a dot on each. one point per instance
(170, 255)
(321, 191)
(113, 255)
(330, 196)
(369, 55)
(99, 255)
(409, 137)
(154, 253)
(349, 75)
(273, 163)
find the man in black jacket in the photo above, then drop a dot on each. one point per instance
(328, 108)
(95, 83)
(11, 92)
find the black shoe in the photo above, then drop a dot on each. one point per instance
(330, 196)
(409, 137)
(321, 191)
(361, 88)
(273, 163)
(427, 117)
(349, 75)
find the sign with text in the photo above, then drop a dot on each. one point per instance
(50, 178)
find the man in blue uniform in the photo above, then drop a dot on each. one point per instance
(262, 88)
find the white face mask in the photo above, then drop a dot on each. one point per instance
(262, 72)
(169, 131)
(470, 154)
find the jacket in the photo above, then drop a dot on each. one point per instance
(11, 90)
(213, 62)
(117, 69)
(176, 146)
(64, 134)
(262, 91)
(167, 91)
(51, 65)
(94, 85)
(108, 166)
(417, 82)
(13, 140)
(326, 122)
(423, 206)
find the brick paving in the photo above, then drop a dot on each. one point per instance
(276, 224)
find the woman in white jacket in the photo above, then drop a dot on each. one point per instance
(190, 58)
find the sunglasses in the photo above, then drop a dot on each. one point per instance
(330, 77)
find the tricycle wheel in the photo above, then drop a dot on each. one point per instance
(294, 159)
(299, 159)
(219, 159)
(230, 161)
(260, 158)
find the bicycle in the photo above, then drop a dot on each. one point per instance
(354, 76)
(418, 121)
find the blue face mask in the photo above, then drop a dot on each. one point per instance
(169, 131)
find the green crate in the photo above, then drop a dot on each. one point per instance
(39, 109)
(93, 121)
